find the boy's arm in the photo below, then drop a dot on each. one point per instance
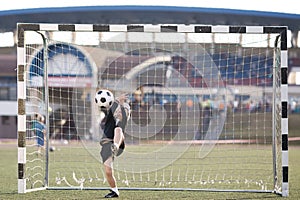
(120, 100)
(114, 107)
(121, 105)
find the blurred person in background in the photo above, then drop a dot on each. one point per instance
(39, 128)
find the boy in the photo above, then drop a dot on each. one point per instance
(112, 141)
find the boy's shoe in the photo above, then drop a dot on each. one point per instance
(112, 194)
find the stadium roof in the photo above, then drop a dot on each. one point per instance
(146, 14)
(281, 6)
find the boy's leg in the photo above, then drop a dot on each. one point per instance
(108, 168)
(119, 137)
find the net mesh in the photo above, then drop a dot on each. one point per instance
(201, 113)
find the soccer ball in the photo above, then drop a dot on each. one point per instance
(104, 98)
(52, 148)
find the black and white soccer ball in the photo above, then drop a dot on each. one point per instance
(104, 98)
(52, 148)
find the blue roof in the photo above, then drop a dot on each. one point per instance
(150, 8)
(147, 15)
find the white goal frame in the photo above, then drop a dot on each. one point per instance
(21, 82)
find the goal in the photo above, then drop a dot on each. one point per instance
(209, 106)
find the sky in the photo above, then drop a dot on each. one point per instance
(282, 6)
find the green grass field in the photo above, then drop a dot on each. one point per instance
(8, 169)
(8, 184)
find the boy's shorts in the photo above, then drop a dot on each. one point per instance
(106, 150)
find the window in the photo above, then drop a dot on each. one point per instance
(5, 120)
(4, 93)
(8, 88)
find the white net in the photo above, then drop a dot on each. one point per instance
(201, 113)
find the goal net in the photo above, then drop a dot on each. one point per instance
(208, 106)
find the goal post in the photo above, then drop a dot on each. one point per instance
(209, 106)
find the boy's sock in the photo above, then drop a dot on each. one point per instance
(115, 189)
